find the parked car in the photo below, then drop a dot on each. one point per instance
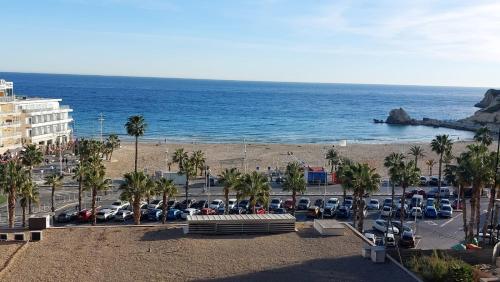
(200, 204)
(431, 212)
(387, 202)
(433, 181)
(208, 211)
(444, 192)
(288, 204)
(371, 237)
(280, 211)
(189, 211)
(154, 214)
(260, 210)
(332, 203)
(105, 214)
(373, 204)
(313, 212)
(155, 204)
(446, 211)
(120, 205)
(303, 204)
(215, 204)
(237, 210)
(186, 203)
(319, 203)
(123, 215)
(416, 212)
(431, 202)
(172, 204)
(348, 203)
(402, 228)
(423, 180)
(244, 204)
(231, 203)
(386, 211)
(84, 215)
(343, 212)
(390, 241)
(383, 226)
(275, 204)
(144, 211)
(407, 240)
(67, 216)
(398, 212)
(444, 202)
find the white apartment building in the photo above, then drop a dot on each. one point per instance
(39, 121)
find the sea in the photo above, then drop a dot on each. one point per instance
(218, 111)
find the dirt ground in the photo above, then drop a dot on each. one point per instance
(166, 254)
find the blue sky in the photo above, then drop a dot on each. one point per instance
(455, 42)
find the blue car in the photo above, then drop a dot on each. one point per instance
(174, 214)
(431, 212)
(154, 214)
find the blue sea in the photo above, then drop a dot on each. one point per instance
(212, 111)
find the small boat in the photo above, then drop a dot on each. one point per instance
(378, 121)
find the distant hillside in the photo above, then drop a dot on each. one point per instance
(490, 110)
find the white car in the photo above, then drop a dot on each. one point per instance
(371, 237)
(121, 205)
(332, 203)
(123, 215)
(444, 202)
(386, 211)
(390, 241)
(189, 211)
(216, 204)
(155, 204)
(416, 212)
(275, 203)
(446, 211)
(232, 203)
(373, 204)
(381, 225)
(106, 213)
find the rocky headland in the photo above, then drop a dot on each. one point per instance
(488, 115)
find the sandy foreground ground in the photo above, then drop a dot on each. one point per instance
(154, 156)
(166, 254)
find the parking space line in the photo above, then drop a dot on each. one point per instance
(418, 242)
(450, 220)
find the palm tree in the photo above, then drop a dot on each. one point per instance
(133, 189)
(255, 186)
(442, 146)
(230, 178)
(95, 181)
(136, 126)
(199, 161)
(430, 164)
(393, 163)
(483, 136)
(417, 152)
(12, 177)
(409, 175)
(459, 177)
(333, 158)
(187, 168)
(29, 194)
(294, 181)
(361, 179)
(112, 142)
(55, 182)
(179, 157)
(31, 156)
(166, 188)
(79, 173)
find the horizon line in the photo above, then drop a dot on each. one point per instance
(242, 80)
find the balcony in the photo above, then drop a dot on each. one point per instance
(62, 108)
(51, 122)
(10, 124)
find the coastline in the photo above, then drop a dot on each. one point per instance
(153, 156)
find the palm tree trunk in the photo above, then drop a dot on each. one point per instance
(110, 154)
(464, 210)
(24, 215)
(478, 211)
(136, 206)
(12, 206)
(294, 199)
(187, 186)
(401, 217)
(439, 180)
(164, 208)
(361, 216)
(94, 196)
(472, 217)
(53, 198)
(80, 180)
(354, 209)
(491, 203)
(136, 144)
(226, 195)
(30, 211)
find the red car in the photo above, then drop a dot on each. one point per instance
(288, 205)
(260, 210)
(207, 211)
(84, 215)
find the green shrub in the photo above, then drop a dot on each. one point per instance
(440, 267)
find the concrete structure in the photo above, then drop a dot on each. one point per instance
(241, 223)
(25, 120)
(329, 227)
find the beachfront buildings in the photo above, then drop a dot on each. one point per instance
(26, 120)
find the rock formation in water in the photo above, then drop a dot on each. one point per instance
(488, 115)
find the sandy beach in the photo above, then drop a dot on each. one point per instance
(153, 156)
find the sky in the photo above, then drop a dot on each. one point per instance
(417, 42)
